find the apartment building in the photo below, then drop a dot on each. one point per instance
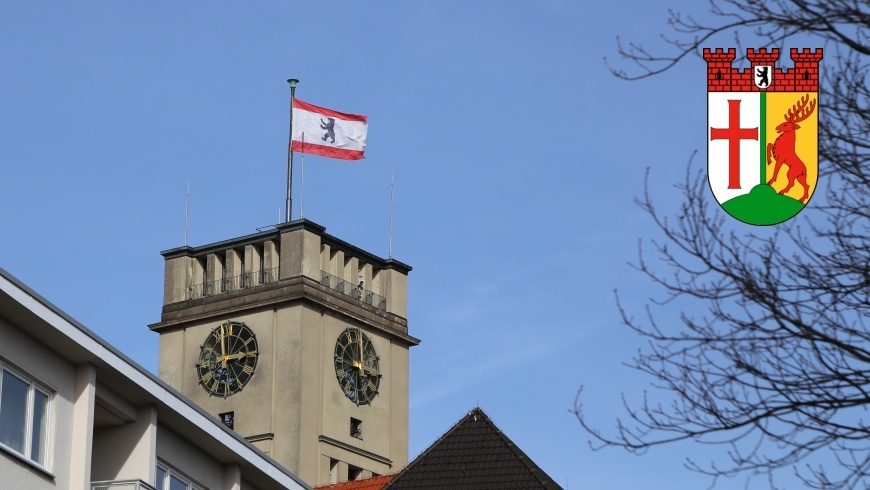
(75, 413)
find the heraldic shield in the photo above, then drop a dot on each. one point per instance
(763, 133)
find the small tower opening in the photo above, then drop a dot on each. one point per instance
(333, 470)
(356, 428)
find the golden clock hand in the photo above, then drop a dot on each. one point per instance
(239, 355)
(371, 370)
(356, 389)
(223, 348)
(360, 351)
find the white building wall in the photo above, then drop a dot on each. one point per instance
(127, 451)
(32, 359)
(174, 451)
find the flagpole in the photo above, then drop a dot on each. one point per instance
(292, 83)
(302, 182)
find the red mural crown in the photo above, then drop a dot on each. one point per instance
(722, 77)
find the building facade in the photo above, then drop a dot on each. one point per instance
(77, 414)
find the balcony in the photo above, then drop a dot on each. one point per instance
(121, 485)
(354, 291)
(230, 284)
(269, 276)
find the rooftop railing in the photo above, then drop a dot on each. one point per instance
(230, 284)
(268, 276)
(121, 485)
(353, 290)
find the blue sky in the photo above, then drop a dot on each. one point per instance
(516, 157)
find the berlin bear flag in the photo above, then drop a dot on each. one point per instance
(328, 133)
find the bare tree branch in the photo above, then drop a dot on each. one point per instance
(777, 370)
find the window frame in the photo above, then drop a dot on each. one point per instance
(169, 472)
(33, 387)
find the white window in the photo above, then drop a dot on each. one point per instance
(170, 479)
(23, 416)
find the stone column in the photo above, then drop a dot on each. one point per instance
(83, 427)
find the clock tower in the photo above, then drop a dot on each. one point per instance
(299, 341)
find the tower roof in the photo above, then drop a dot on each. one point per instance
(474, 453)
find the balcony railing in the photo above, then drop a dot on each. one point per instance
(268, 276)
(121, 485)
(353, 290)
(230, 284)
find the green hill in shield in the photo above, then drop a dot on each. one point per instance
(762, 206)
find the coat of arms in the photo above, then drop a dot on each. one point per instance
(762, 133)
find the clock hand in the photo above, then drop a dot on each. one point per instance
(371, 370)
(223, 348)
(239, 355)
(356, 389)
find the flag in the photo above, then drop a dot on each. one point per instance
(328, 133)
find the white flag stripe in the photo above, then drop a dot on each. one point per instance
(349, 135)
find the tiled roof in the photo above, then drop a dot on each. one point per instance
(473, 454)
(373, 483)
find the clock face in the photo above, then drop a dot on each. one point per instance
(227, 359)
(356, 366)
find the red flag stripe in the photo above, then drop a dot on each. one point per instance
(305, 106)
(326, 151)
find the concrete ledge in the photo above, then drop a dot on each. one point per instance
(291, 290)
(355, 450)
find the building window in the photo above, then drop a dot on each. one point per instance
(355, 428)
(228, 418)
(353, 473)
(169, 479)
(23, 416)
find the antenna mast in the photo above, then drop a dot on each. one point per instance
(186, 210)
(392, 191)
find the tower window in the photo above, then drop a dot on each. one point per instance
(258, 253)
(719, 75)
(228, 419)
(355, 428)
(220, 262)
(806, 75)
(244, 279)
(204, 267)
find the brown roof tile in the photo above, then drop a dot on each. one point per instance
(473, 454)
